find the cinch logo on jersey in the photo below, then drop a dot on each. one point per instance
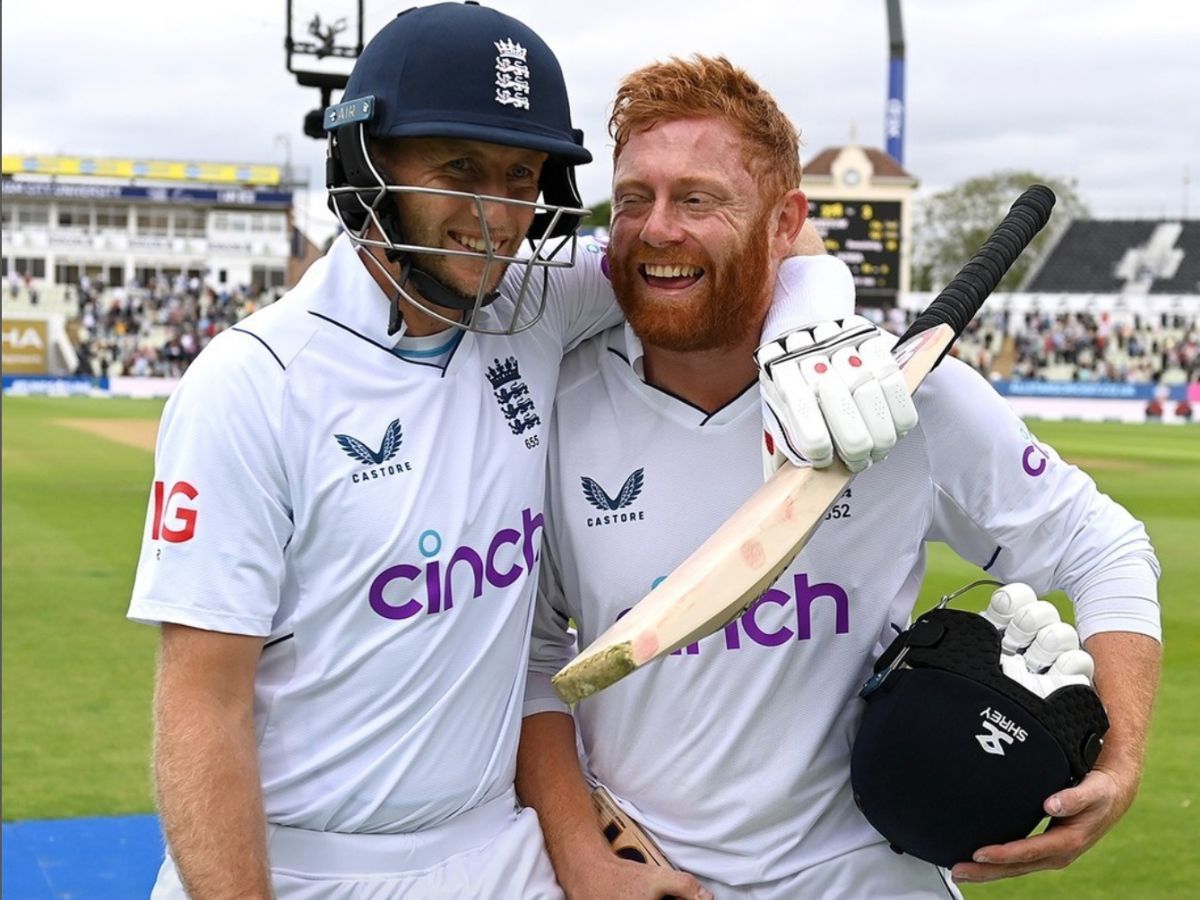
(998, 730)
(513, 396)
(388, 448)
(804, 595)
(433, 582)
(599, 498)
(598, 248)
(1033, 458)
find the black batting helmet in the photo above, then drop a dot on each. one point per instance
(952, 754)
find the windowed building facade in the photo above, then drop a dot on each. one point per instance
(126, 222)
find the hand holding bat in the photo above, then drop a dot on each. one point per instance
(832, 386)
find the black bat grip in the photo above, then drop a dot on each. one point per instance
(961, 299)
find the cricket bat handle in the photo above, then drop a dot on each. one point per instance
(962, 298)
(624, 835)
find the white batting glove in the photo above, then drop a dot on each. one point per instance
(1038, 649)
(832, 388)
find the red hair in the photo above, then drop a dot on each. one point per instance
(708, 87)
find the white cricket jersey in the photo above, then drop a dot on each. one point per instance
(735, 752)
(378, 521)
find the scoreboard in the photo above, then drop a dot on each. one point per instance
(865, 235)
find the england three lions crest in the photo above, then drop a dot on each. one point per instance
(513, 396)
(512, 74)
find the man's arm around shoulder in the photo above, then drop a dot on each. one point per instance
(205, 762)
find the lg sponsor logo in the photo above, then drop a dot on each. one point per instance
(798, 628)
(430, 586)
(173, 521)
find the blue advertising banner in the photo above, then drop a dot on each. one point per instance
(231, 196)
(1086, 390)
(53, 385)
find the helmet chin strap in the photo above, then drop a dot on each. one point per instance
(429, 287)
(396, 321)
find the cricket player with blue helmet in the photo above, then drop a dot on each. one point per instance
(343, 533)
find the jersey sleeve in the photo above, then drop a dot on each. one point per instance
(809, 289)
(580, 300)
(1008, 502)
(219, 516)
(553, 644)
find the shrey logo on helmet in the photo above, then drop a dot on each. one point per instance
(998, 730)
(952, 754)
(462, 72)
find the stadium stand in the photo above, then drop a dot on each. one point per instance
(1112, 301)
(1133, 314)
(1104, 345)
(1122, 257)
(155, 330)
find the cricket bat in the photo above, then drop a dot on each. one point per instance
(751, 549)
(624, 835)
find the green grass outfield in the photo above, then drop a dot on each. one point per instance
(77, 675)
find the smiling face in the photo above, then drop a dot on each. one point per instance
(455, 223)
(691, 250)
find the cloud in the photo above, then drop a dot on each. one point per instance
(1095, 90)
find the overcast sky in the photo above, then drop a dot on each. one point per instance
(1106, 92)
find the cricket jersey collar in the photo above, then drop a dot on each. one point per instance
(635, 353)
(626, 347)
(353, 299)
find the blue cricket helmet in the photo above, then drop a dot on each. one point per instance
(455, 70)
(461, 70)
(458, 70)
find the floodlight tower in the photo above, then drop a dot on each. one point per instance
(893, 125)
(321, 43)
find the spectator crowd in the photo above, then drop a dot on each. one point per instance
(154, 330)
(157, 330)
(1127, 346)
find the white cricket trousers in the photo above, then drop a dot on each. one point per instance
(493, 851)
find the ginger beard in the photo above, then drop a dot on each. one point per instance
(718, 311)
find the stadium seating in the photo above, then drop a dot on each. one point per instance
(1126, 271)
(154, 330)
(1122, 257)
(1105, 346)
